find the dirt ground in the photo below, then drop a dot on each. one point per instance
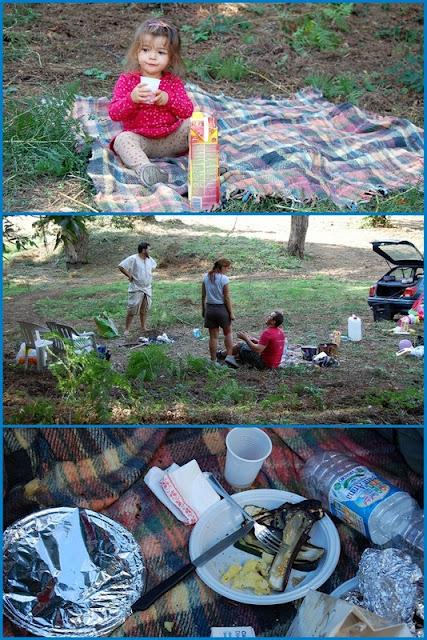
(67, 40)
(104, 47)
(336, 246)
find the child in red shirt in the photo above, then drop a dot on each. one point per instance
(155, 121)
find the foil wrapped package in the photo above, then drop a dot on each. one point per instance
(70, 572)
(388, 583)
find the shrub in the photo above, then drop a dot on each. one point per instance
(37, 412)
(87, 379)
(39, 136)
(215, 66)
(146, 365)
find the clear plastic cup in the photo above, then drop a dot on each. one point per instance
(247, 448)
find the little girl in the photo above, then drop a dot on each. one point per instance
(155, 123)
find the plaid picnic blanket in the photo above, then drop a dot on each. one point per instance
(300, 149)
(103, 469)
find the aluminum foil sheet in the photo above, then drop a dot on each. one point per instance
(388, 583)
(70, 572)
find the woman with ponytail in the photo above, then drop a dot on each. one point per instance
(217, 309)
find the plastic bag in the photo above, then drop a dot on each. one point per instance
(105, 326)
(20, 356)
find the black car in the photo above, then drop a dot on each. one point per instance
(398, 289)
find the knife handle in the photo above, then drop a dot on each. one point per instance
(153, 594)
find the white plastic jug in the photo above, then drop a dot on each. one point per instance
(354, 328)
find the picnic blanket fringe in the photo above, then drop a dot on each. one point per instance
(300, 149)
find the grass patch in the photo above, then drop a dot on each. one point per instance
(248, 255)
(409, 72)
(405, 201)
(217, 66)
(400, 34)
(39, 139)
(318, 30)
(16, 44)
(11, 289)
(409, 400)
(148, 364)
(37, 412)
(215, 24)
(87, 380)
(178, 301)
(342, 87)
(225, 390)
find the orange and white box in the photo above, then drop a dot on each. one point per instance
(203, 162)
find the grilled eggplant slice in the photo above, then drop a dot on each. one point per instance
(308, 557)
(298, 520)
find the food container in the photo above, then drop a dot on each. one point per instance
(308, 352)
(70, 572)
(220, 519)
(330, 348)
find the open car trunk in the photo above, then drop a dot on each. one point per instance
(394, 283)
(399, 252)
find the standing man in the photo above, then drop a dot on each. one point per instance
(138, 268)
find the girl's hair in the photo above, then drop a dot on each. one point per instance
(155, 27)
(218, 265)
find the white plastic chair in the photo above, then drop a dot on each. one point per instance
(82, 341)
(32, 340)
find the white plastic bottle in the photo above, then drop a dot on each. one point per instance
(354, 328)
(364, 500)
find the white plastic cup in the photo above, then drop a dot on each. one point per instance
(247, 448)
(151, 83)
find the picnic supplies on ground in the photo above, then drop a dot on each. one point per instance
(70, 572)
(354, 330)
(152, 480)
(389, 583)
(184, 490)
(336, 337)
(302, 148)
(323, 360)
(106, 326)
(31, 333)
(387, 580)
(26, 356)
(298, 520)
(287, 530)
(308, 352)
(81, 573)
(82, 342)
(212, 525)
(330, 348)
(203, 162)
(107, 466)
(363, 499)
(247, 448)
(153, 594)
(266, 535)
(321, 615)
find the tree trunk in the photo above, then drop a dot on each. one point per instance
(296, 242)
(76, 251)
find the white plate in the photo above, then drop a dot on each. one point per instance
(220, 520)
(345, 587)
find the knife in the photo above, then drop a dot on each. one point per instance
(153, 594)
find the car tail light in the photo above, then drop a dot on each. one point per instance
(410, 292)
(372, 290)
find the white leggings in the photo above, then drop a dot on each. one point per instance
(134, 150)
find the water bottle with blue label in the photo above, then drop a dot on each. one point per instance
(197, 333)
(363, 499)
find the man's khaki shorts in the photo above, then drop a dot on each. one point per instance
(138, 300)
